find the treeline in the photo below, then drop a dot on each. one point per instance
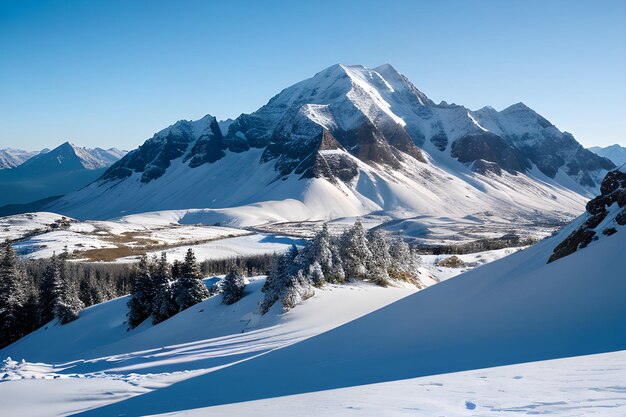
(355, 255)
(160, 290)
(34, 292)
(250, 266)
(510, 240)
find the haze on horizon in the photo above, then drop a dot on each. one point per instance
(111, 74)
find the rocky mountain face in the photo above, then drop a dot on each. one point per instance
(605, 214)
(349, 118)
(616, 153)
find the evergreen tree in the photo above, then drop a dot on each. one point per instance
(67, 304)
(274, 283)
(190, 267)
(403, 262)
(336, 275)
(190, 288)
(141, 294)
(47, 291)
(13, 296)
(380, 261)
(355, 252)
(286, 282)
(320, 250)
(176, 269)
(297, 290)
(316, 275)
(164, 305)
(233, 287)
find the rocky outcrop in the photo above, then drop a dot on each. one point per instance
(613, 191)
(488, 147)
(156, 154)
(208, 148)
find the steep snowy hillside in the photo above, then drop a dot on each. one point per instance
(364, 139)
(518, 309)
(616, 153)
(62, 170)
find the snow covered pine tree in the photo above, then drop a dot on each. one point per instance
(164, 305)
(233, 288)
(12, 296)
(66, 303)
(190, 288)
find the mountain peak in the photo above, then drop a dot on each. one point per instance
(519, 106)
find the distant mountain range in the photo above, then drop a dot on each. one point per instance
(10, 158)
(616, 153)
(47, 173)
(346, 142)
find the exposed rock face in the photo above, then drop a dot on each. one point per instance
(440, 140)
(208, 148)
(613, 189)
(539, 142)
(488, 147)
(313, 158)
(324, 163)
(154, 157)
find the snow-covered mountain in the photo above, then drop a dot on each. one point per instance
(10, 158)
(349, 141)
(64, 169)
(616, 153)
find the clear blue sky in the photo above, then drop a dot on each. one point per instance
(111, 73)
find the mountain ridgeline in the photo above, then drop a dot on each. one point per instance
(335, 126)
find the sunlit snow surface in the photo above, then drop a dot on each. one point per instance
(592, 385)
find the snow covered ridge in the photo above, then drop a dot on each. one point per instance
(605, 213)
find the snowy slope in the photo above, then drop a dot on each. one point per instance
(582, 386)
(96, 355)
(346, 142)
(239, 191)
(517, 309)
